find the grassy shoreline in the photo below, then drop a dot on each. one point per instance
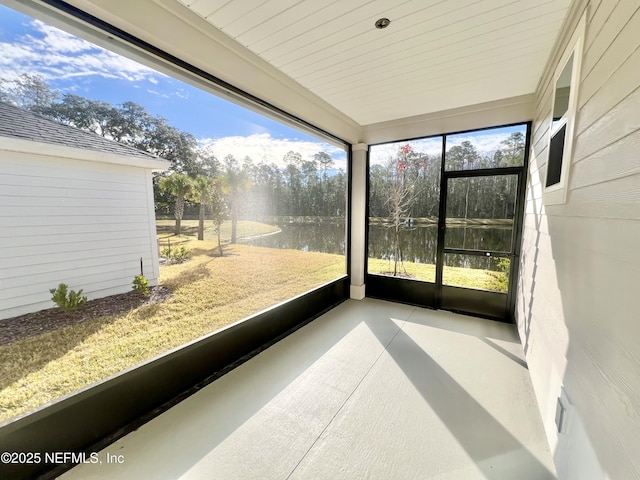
(456, 276)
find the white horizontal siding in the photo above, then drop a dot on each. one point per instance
(89, 282)
(86, 224)
(74, 241)
(40, 168)
(47, 253)
(71, 220)
(17, 190)
(69, 229)
(615, 161)
(23, 278)
(578, 299)
(102, 185)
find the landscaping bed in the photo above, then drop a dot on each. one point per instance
(37, 323)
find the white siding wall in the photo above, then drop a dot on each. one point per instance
(82, 223)
(578, 306)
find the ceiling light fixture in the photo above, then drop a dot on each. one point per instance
(383, 23)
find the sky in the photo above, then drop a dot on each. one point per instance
(486, 141)
(72, 65)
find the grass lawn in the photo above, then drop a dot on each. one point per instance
(460, 277)
(190, 228)
(209, 292)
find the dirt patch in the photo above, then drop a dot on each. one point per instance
(37, 323)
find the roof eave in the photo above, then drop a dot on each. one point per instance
(11, 144)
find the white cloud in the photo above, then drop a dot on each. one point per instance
(262, 147)
(380, 154)
(55, 55)
(157, 94)
(484, 143)
(182, 93)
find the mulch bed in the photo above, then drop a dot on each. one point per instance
(37, 323)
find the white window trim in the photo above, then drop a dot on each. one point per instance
(557, 193)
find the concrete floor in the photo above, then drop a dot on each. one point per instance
(372, 389)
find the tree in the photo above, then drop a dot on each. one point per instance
(83, 113)
(235, 182)
(179, 185)
(128, 123)
(512, 149)
(207, 163)
(462, 157)
(325, 161)
(28, 91)
(170, 143)
(402, 196)
(200, 193)
(218, 210)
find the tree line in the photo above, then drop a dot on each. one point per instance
(408, 184)
(197, 181)
(404, 192)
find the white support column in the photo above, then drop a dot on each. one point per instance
(358, 212)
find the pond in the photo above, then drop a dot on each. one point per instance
(418, 244)
(316, 237)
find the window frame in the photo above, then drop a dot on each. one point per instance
(130, 398)
(556, 193)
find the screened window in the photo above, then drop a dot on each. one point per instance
(489, 148)
(566, 81)
(404, 198)
(250, 213)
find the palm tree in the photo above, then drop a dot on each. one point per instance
(218, 210)
(235, 181)
(178, 185)
(201, 193)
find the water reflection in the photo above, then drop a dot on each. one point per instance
(417, 245)
(321, 237)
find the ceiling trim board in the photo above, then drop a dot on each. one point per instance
(500, 112)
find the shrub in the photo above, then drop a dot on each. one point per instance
(141, 285)
(177, 254)
(67, 300)
(504, 264)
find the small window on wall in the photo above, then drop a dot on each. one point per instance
(564, 106)
(559, 124)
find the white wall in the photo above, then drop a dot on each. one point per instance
(83, 223)
(578, 308)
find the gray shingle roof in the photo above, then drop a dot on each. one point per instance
(19, 123)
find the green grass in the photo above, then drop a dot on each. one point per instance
(209, 292)
(456, 276)
(189, 228)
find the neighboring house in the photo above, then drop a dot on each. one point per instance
(75, 208)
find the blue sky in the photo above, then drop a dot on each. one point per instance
(485, 141)
(72, 65)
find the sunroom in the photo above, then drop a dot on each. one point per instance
(481, 324)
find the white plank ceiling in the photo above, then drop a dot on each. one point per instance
(435, 55)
